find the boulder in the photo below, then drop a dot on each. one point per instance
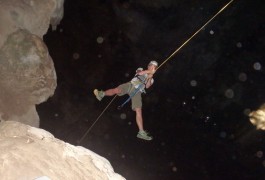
(27, 77)
(28, 153)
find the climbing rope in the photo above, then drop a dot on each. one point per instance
(194, 34)
(83, 137)
(167, 59)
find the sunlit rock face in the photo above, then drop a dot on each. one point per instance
(257, 118)
(29, 153)
(27, 77)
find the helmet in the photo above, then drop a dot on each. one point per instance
(153, 63)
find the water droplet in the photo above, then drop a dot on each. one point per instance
(242, 77)
(99, 56)
(193, 97)
(211, 32)
(257, 66)
(229, 93)
(76, 56)
(123, 116)
(239, 45)
(174, 169)
(193, 83)
(259, 154)
(100, 40)
(207, 119)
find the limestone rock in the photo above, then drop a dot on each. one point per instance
(27, 77)
(26, 68)
(32, 15)
(29, 153)
(57, 14)
(257, 117)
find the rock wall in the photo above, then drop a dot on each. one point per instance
(32, 15)
(27, 72)
(257, 117)
(27, 78)
(28, 153)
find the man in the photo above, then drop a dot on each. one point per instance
(143, 79)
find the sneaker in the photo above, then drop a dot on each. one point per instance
(144, 135)
(99, 94)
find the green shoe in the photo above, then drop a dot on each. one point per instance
(144, 135)
(99, 94)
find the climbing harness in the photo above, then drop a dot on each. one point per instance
(167, 59)
(131, 96)
(140, 87)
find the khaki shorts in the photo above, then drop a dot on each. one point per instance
(127, 88)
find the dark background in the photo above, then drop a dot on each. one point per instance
(196, 109)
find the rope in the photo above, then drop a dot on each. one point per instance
(160, 64)
(96, 120)
(194, 34)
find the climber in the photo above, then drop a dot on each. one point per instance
(142, 79)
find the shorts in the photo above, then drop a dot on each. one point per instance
(127, 88)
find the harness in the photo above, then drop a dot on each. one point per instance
(139, 81)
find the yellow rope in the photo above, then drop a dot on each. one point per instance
(194, 34)
(159, 65)
(96, 120)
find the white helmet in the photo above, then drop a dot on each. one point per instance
(153, 63)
